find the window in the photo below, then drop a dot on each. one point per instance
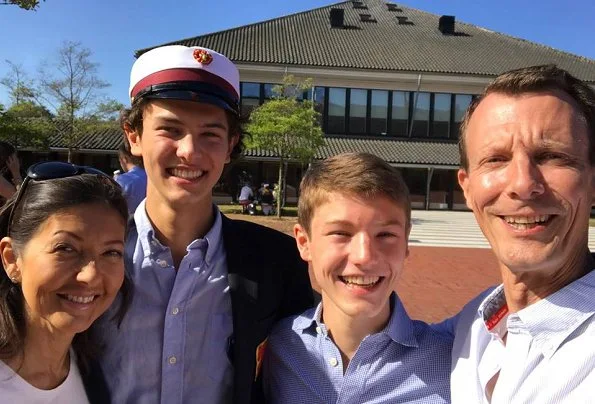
(462, 101)
(250, 97)
(268, 91)
(400, 113)
(378, 112)
(336, 110)
(441, 116)
(357, 111)
(318, 101)
(421, 115)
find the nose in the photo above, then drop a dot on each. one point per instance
(88, 273)
(525, 179)
(362, 250)
(187, 148)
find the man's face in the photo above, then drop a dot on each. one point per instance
(529, 181)
(184, 146)
(356, 249)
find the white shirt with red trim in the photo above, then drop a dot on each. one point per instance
(549, 355)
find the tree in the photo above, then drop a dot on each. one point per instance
(26, 125)
(20, 87)
(24, 4)
(74, 93)
(287, 126)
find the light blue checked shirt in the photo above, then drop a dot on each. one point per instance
(407, 362)
(172, 345)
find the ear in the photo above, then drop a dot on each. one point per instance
(232, 143)
(463, 179)
(134, 140)
(303, 242)
(9, 259)
(407, 240)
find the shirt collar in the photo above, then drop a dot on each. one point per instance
(399, 328)
(549, 321)
(150, 243)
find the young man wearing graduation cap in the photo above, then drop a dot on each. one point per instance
(204, 299)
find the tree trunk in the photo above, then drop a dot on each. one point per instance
(70, 155)
(280, 191)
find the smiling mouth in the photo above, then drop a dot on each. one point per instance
(527, 222)
(185, 174)
(361, 281)
(78, 299)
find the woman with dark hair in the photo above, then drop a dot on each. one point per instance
(62, 244)
(10, 171)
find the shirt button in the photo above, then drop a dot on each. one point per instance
(172, 360)
(175, 311)
(162, 263)
(318, 330)
(153, 243)
(334, 362)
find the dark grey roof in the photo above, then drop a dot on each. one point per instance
(307, 39)
(105, 139)
(392, 150)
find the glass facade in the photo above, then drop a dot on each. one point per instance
(366, 112)
(358, 107)
(379, 112)
(441, 116)
(400, 114)
(336, 111)
(421, 115)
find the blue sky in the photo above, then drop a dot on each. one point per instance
(114, 29)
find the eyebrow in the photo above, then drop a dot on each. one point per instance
(348, 223)
(79, 238)
(173, 120)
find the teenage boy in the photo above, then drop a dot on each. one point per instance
(204, 300)
(358, 345)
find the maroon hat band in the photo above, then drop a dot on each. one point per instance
(171, 75)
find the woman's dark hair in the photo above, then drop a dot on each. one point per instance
(6, 150)
(40, 200)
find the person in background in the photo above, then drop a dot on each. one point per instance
(246, 196)
(62, 247)
(10, 171)
(528, 173)
(134, 178)
(358, 345)
(205, 300)
(266, 200)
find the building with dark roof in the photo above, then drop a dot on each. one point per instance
(389, 79)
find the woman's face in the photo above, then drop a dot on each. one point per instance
(72, 268)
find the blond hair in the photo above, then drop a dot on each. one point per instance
(355, 174)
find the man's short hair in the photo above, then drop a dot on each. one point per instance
(124, 152)
(353, 174)
(537, 79)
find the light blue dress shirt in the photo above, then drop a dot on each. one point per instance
(134, 187)
(407, 362)
(172, 345)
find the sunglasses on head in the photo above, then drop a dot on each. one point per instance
(50, 170)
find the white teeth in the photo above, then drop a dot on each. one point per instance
(361, 280)
(187, 174)
(80, 299)
(526, 219)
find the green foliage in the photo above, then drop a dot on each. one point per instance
(286, 126)
(26, 125)
(24, 4)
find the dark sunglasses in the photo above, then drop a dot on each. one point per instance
(50, 170)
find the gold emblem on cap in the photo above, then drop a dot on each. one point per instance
(202, 56)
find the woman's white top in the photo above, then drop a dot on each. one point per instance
(14, 389)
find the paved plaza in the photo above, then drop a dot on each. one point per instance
(453, 229)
